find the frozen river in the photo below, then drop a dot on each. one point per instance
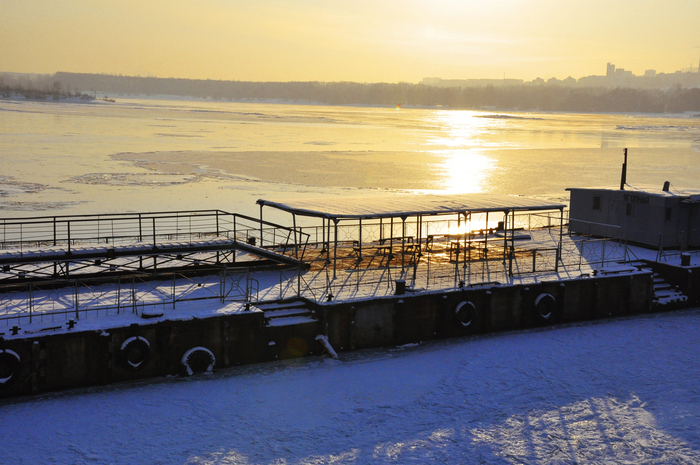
(156, 155)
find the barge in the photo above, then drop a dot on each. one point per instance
(98, 299)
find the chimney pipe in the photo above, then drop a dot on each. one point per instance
(623, 179)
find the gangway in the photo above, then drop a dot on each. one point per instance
(87, 246)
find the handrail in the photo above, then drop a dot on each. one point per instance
(112, 227)
(90, 217)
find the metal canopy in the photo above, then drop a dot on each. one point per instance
(396, 206)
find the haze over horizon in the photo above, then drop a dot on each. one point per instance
(361, 41)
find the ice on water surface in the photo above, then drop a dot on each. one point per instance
(157, 155)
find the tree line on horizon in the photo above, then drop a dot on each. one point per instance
(38, 89)
(517, 97)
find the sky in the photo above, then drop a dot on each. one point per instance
(348, 40)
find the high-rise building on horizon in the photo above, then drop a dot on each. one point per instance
(611, 70)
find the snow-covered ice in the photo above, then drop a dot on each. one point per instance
(614, 391)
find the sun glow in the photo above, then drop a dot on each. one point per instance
(464, 129)
(475, 224)
(466, 166)
(466, 171)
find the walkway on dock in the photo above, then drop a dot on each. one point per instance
(94, 246)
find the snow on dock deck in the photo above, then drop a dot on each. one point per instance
(79, 251)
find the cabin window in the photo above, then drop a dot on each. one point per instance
(629, 209)
(596, 202)
(668, 214)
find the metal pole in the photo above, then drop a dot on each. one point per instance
(391, 238)
(505, 235)
(512, 240)
(77, 305)
(359, 242)
(299, 281)
(326, 236)
(403, 241)
(466, 238)
(603, 257)
(427, 234)
(261, 223)
(296, 241)
(561, 238)
(133, 294)
(31, 301)
(486, 237)
(419, 222)
(335, 246)
(222, 278)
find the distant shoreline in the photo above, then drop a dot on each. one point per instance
(541, 97)
(62, 99)
(497, 113)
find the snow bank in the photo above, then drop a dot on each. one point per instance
(617, 391)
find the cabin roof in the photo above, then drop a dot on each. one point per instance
(395, 206)
(685, 194)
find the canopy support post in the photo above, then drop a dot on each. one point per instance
(261, 224)
(335, 245)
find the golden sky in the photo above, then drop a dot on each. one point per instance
(348, 40)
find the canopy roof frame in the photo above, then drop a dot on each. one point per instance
(398, 206)
(404, 206)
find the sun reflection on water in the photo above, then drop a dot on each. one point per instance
(465, 171)
(462, 141)
(465, 129)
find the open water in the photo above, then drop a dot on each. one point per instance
(160, 155)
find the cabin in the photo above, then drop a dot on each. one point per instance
(658, 218)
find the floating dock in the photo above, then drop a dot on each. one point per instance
(96, 299)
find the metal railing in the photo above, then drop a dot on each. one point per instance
(76, 299)
(24, 303)
(124, 228)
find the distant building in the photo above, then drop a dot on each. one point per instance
(614, 77)
(610, 71)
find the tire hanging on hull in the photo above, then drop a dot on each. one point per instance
(198, 360)
(134, 353)
(465, 313)
(10, 367)
(545, 307)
